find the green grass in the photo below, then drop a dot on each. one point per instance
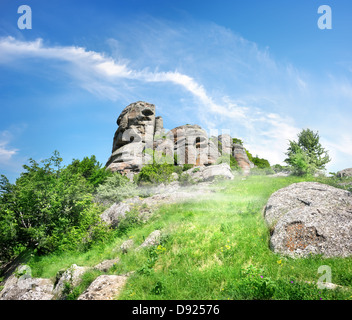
(213, 248)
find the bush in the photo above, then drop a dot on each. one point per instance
(48, 208)
(187, 166)
(279, 168)
(115, 189)
(90, 169)
(154, 174)
(261, 172)
(185, 179)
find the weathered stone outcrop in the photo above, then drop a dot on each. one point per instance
(310, 218)
(241, 157)
(140, 131)
(192, 146)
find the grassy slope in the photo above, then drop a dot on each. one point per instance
(214, 248)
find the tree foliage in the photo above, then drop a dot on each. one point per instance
(116, 188)
(48, 208)
(306, 156)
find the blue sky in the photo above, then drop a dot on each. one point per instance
(262, 70)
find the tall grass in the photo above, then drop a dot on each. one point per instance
(216, 247)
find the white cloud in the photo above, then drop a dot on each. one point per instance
(6, 152)
(232, 83)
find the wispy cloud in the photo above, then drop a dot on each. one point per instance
(6, 152)
(230, 82)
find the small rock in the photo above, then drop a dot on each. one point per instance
(152, 240)
(106, 265)
(127, 245)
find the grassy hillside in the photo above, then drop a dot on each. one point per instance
(212, 248)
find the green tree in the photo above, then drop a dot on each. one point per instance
(306, 156)
(48, 208)
(90, 169)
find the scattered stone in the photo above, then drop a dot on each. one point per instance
(104, 287)
(152, 240)
(127, 246)
(310, 218)
(106, 265)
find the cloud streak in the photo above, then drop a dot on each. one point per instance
(6, 152)
(231, 83)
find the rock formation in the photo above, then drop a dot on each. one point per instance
(140, 132)
(310, 218)
(345, 173)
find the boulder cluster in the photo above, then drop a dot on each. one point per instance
(141, 133)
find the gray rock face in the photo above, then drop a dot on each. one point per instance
(105, 287)
(310, 218)
(192, 146)
(21, 286)
(345, 173)
(136, 127)
(226, 143)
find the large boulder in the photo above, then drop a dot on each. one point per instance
(310, 218)
(345, 173)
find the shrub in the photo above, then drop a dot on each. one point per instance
(279, 168)
(115, 189)
(154, 174)
(187, 166)
(185, 179)
(261, 172)
(90, 169)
